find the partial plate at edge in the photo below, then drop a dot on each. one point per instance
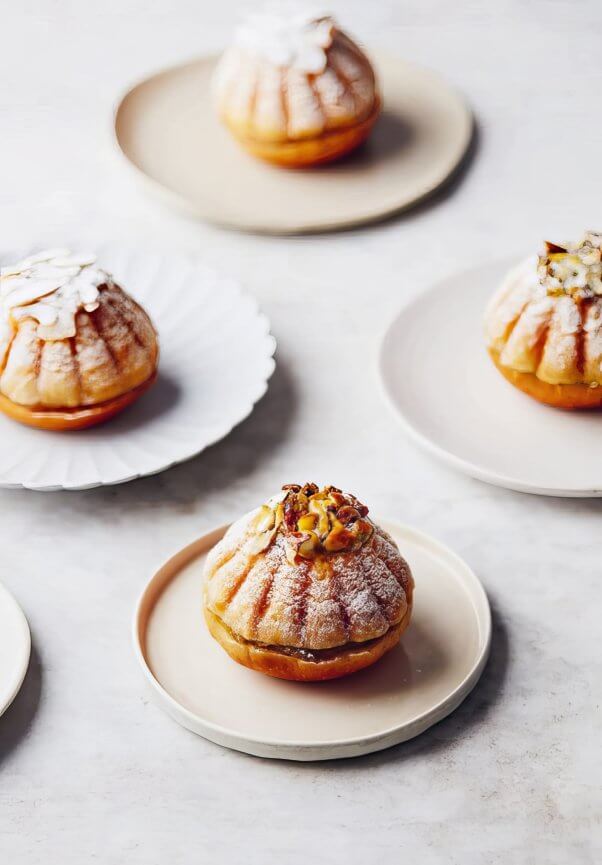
(452, 401)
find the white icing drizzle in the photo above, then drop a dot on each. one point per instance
(50, 287)
(288, 35)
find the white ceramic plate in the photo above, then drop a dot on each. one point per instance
(216, 359)
(167, 129)
(438, 662)
(451, 399)
(15, 648)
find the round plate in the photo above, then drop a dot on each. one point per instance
(216, 359)
(437, 663)
(15, 648)
(452, 400)
(167, 128)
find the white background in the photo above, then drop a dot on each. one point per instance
(89, 770)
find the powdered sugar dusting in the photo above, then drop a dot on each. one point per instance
(313, 604)
(534, 330)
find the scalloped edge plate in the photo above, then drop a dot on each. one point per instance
(438, 662)
(215, 364)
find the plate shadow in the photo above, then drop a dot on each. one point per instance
(16, 722)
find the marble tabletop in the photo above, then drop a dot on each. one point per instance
(89, 769)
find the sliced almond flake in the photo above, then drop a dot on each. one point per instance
(60, 282)
(49, 270)
(44, 313)
(29, 290)
(80, 260)
(62, 328)
(45, 255)
(13, 270)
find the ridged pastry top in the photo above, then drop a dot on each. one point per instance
(546, 317)
(265, 590)
(295, 76)
(69, 336)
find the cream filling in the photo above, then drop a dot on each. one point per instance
(314, 656)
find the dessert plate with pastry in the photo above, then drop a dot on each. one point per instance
(307, 630)
(498, 371)
(294, 110)
(97, 387)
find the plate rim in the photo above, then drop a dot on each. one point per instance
(334, 749)
(271, 346)
(464, 466)
(19, 617)
(172, 199)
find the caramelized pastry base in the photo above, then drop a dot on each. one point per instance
(304, 153)
(302, 665)
(72, 418)
(568, 396)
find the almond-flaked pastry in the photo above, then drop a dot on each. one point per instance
(307, 587)
(295, 89)
(74, 347)
(544, 325)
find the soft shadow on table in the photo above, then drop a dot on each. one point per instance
(468, 717)
(397, 135)
(160, 399)
(16, 722)
(221, 465)
(391, 134)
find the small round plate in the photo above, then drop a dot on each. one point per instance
(167, 128)
(437, 663)
(15, 648)
(452, 401)
(216, 359)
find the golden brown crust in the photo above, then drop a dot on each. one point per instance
(303, 153)
(302, 611)
(79, 380)
(272, 662)
(567, 396)
(322, 603)
(72, 419)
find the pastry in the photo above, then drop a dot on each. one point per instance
(295, 90)
(544, 325)
(75, 349)
(307, 587)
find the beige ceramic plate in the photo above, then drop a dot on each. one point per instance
(438, 662)
(456, 404)
(167, 128)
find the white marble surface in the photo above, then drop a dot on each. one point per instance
(90, 771)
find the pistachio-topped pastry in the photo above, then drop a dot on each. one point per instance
(75, 349)
(574, 269)
(307, 587)
(544, 325)
(315, 521)
(294, 88)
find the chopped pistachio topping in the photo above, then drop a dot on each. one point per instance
(574, 269)
(314, 521)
